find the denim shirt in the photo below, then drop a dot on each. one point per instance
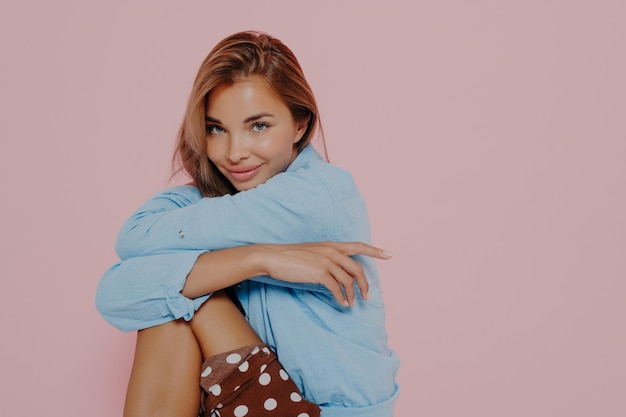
(338, 356)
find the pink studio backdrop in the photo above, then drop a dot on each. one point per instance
(488, 139)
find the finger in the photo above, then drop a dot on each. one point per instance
(355, 271)
(360, 248)
(346, 281)
(334, 287)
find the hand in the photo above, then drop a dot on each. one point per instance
(325, 263)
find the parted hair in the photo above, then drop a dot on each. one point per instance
(235, 58)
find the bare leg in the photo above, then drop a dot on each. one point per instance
(165, 377)
(219, 326)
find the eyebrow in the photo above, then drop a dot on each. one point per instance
(210, 119)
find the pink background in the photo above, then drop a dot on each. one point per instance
(488, 139)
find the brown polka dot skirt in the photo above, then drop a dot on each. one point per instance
(250, 382)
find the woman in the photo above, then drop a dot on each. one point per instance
(259, 191)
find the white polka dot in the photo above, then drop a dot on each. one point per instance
(237, 387)
(304, 415)
(244, 366)
(215, 389)
(206, 372)
(220, 405)
(266, 350)
(241, 410)
(295, 397)
(233, 358)
(270, 404)
(263, 368)
(215, 413)
(283, 374)
(265, 379)
(255, 350)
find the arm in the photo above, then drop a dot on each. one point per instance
(313, 203)
(147, 291)
(327, 264)
(295, 206)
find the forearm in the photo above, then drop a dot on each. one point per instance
(328, 264)
(220, 269)
(223, 268)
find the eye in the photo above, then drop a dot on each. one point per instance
(259, 127)
(214, 129)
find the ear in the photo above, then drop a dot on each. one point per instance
(301, 128)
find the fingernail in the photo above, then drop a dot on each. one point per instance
(345, 303)
(387, 254)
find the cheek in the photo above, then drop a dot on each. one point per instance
(211, 150)
(282, 144)
(267, 147)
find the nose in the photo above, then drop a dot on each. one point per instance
(237, 149)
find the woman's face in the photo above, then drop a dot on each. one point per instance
(250, 132)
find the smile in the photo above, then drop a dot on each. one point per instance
(244, 173)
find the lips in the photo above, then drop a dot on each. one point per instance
(244, 173)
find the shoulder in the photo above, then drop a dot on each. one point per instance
(338, 181)
(311, 170)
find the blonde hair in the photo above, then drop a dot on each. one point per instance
(237, 57)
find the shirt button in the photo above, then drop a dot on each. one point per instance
(181, 234)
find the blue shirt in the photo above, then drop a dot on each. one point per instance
(338, 356)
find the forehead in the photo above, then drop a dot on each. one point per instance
(242, 97)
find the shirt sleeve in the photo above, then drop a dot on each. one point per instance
(160, 243)
(145, 291)
(291, 207)
(142, 292)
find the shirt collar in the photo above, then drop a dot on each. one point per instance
(304, 158)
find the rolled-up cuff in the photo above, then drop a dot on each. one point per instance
(143, 292)
(177, 306)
